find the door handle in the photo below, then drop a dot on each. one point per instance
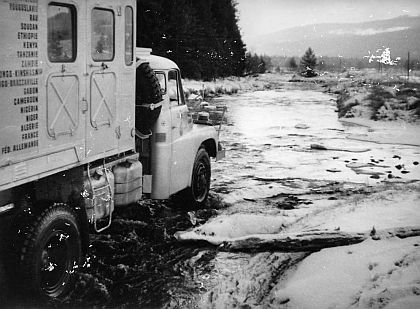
(103, 66)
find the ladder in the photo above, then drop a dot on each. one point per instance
(105, 193)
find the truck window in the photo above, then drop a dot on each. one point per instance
(162, 81)
(174, 84)
(61, 32)
(103, 29)
(128, 35)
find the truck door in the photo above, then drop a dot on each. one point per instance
(102, 75)
(181, 124)
(65, 81)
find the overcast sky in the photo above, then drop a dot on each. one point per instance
(265, 16)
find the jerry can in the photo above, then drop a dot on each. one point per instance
(128, 182)
(99, 191)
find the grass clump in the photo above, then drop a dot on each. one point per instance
(343, 106)
(377, 98)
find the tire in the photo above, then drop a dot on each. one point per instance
(148, 88)
(51, 250)
(198, 192)
(148, 91)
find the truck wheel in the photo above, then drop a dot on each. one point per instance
(148, 88)
(148, 91)
(51, 251)
(200, 182)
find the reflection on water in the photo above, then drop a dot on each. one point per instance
(262, 114)
(275, 134)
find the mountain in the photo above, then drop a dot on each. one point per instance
(401, 35)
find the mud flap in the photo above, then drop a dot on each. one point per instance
(220, 154)
(147, 183)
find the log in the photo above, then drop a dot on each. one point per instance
(400, 232)
(304, 241)
(308, 241)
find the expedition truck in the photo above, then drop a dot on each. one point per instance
(88, 124)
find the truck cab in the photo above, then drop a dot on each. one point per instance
(175, 139)
(88, 123)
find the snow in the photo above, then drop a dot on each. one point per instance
(270, 154)
(383, 210)
(398, 132)
(224, 228)
(372, 274)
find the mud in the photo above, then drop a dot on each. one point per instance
(138, 263)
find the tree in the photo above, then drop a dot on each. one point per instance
(201, 36)
(291, 63)
(308, 63)
(255, 64)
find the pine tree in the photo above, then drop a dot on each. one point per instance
(308, 63)
(201, 36)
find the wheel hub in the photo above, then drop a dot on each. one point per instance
(201, 184)
(54, 262)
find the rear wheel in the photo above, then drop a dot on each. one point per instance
(200, 182)
(51, 251)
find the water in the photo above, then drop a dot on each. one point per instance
(273, 135)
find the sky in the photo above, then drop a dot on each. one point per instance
(258, 17)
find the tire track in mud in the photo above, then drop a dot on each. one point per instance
(138, 262)
(246, 280)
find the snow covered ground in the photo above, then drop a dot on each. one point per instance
(372, 274)
(353, 176)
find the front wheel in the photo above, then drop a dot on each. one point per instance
(51, 252)
(198, 192)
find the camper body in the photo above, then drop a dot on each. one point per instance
(71, 150)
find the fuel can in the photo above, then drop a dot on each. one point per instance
(128, 182)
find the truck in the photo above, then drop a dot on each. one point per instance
(89, 123)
